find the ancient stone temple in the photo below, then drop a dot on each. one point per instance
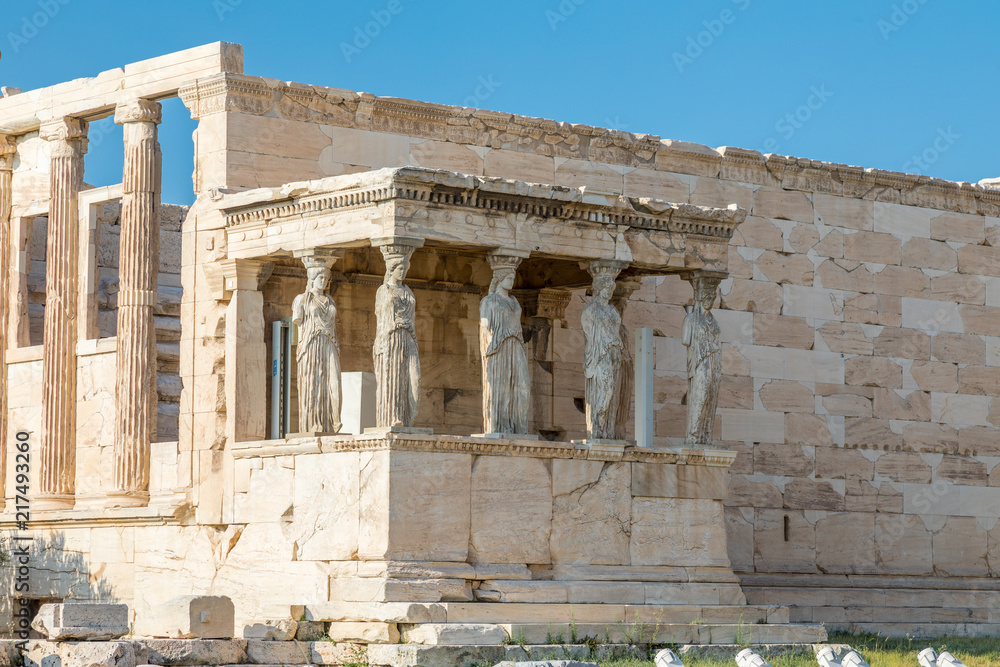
(468, 376)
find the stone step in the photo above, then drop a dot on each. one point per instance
(665, 633)
(481, 612)
(614, 592)
(922, 630)
(898, 615)
(969, 598)
(507, 612)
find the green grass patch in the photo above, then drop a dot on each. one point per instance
(877, 651)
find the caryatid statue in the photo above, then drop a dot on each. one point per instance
(506, 379)
(623, 290)
(317, 352)
(704, 361)
(397, 364)
(602, 352)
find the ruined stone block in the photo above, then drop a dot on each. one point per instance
(192, 616)
(82, 620)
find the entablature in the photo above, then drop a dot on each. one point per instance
(477, 214)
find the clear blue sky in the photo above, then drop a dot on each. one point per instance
(874, 83)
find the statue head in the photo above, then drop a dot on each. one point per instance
(397, 262)
(317, 278)
(396, 267)
(704, 291)
(502, 278)
(604, 288)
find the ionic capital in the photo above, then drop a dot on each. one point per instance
(397, 245)
(604, 268)
(67, 135)
(318, 257)
(506, 258)
(138, 111)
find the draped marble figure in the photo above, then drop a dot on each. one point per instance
(317, 353)
(397, 365)
(627, 381)
(704, 363)
(506, 383)
(602, 360)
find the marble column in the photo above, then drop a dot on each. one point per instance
(67, 139)
(7, 149)
(138, 264)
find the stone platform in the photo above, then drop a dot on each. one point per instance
(198, 652)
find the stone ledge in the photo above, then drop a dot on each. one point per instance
(458, 444)
(153, 515)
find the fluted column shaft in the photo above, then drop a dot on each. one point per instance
(7, 150)
(135, 371)
(67, 137)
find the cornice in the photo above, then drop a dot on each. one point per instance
(435, 187)
(331, 106)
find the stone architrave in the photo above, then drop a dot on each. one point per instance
(317, 353)
(135, 370)
(56, 478)
(704, 360)
(603, 352)
(397, 363)
(506, 378)
(623, 290)
(7, 151)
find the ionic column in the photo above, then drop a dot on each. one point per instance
(68, 143)
(7, 150)
(138, 262)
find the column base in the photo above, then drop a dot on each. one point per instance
(127, 499)
(506, 436)
(381, 430)
(55, 501)
(309, 434)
